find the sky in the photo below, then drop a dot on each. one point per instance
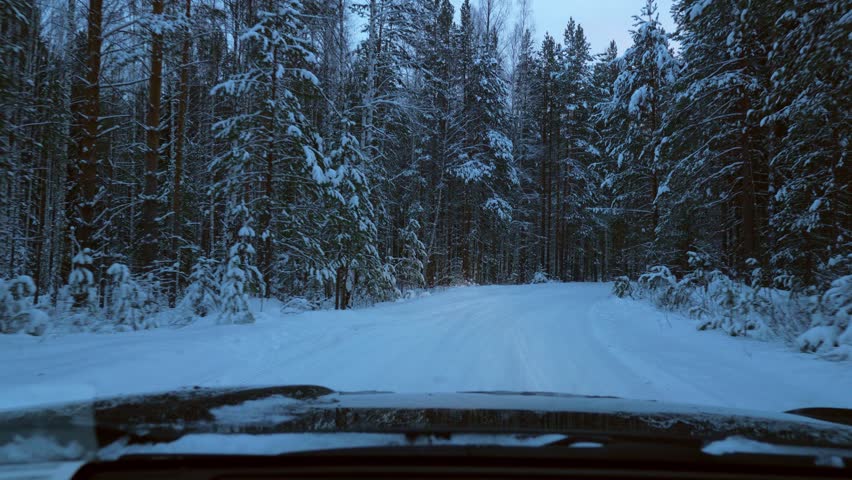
(602, 20)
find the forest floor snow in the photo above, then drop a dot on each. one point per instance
(570, 338)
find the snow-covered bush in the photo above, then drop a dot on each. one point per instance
(657, 277)
(691, 292)
(659, 285)
(202, 294)
(17, 313)
(414, 294)
(372, 281)
(737, 307)
(622, 287)
(820, 338)
(837, 301)
(831, 330)
(719, 301)
(240, 276)
(539, 277)
(298, 305)
(732, 304)
(127, 300)
(81, 281)
(751, 307)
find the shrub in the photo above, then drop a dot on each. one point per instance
(708, 295)
(298, 305)
(127, 300)
(622, 287)
(539, 277)
(17, 313)
(733, 304)
(659, 285)
(81, 282)
(831, 329)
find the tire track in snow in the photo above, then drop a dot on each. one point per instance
(568, 338)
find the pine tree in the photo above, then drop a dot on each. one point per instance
(576, 228)
(718, 179)
(272, 152)
(526, 150)
(353, 249)
(442, 150)
(548, 108)
(395, 154)
(487, 166)
(808, 110)
(604, 74)
(13, 58)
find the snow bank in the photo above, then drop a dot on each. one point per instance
(813, 324)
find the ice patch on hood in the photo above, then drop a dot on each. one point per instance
(832, 457)
(267, 410)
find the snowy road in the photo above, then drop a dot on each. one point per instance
(572, 338)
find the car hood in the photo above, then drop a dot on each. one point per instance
(166, 417)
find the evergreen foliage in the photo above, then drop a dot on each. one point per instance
(287, 156)
(127, 300)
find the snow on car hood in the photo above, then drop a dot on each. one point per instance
(200, 416)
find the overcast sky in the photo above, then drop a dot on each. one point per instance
(602, 20)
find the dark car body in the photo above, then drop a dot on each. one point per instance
(579, 427)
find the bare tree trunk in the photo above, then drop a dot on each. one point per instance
(183, 100)
(266, 209)
(149, 227)
(90, 111)
(367, 112)
(748, 205)
(342, 52)
(41, 240)
(88, 114)
(542, 207)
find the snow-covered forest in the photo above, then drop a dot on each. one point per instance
(335, 153)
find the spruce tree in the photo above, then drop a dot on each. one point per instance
(634, 116)
(240, 277)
